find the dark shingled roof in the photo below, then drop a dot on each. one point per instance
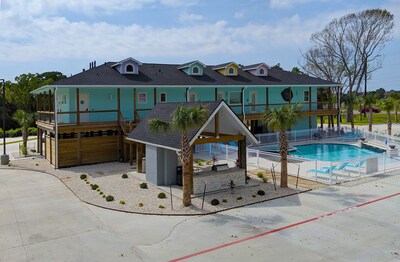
(190, 63)
(253, 66)
(168, 75)
(222, 65)
(163, 111)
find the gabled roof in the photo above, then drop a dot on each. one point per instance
(216, 67)
(127, 59)
(191, 63)
(229, 124)
(154, 75)
(254, 66)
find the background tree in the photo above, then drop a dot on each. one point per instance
(350, 100)
(349, 48)
(277, 66)
(396, 101)
(387, 105)
(281, 120)
(183, 120)
(369, 101)
(24, 119)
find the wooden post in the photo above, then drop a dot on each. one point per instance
(139, 155)
(215, 94)
(119, 103)
(38, 140)
(242, 154)
(155, 95)
(134, 105)
(131, 153)
(216, 124)
(49, 109)
(78, 116)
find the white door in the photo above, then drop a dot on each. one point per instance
(84, 106)
(253, 101)
(63, 106)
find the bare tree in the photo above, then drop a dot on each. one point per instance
(349, 48)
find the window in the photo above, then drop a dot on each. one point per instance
(306, 97)
(262, 71)
(235, 98)
(195, 70)
(220, 95)
(129, 68)
(142, 98)
(231, 71)
(163, 97)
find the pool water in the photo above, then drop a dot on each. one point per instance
(331, 152)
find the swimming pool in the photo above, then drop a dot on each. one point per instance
(276, 149)
(331, 152)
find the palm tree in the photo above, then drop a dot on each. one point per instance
(350, 101)
(388, 105)
(396, 99)
(359, 101)
(369, 100)
(24, 119)
(281, 120)
(183, 119)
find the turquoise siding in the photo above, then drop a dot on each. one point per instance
(106, 99)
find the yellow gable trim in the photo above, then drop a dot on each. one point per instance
(224, 71)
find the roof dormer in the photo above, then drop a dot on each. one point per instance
(260, 69)
(194, 68)
(128, 66)
(227, 69)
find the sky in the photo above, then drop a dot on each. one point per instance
(56, 35)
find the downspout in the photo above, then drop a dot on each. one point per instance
(188, 93)
(56, 123)
(243, 109)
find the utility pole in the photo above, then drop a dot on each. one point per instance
(4, 158)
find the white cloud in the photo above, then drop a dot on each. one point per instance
(52, 7)
(286, 4)
(185, 17)
(239, 15)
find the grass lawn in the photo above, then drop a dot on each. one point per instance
(18, 141)
(380, 118)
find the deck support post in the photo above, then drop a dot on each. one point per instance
(139, 156)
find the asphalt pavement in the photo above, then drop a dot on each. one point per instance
(42, 220)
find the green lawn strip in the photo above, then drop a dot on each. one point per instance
(376, 119)
(18, 141)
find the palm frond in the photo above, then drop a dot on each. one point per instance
(157, 125)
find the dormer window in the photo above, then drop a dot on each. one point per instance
(129, 69)
(195, 70)
(231, 71)
(262, 71)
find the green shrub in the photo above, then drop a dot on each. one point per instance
(87, 182)
(122, 202)
(199, 162)
(100, 192)
(215, 202)
(109, 198)
(32, 131)
(161, 206)
(253, 195)
(260, 192)
(1, 132)
(83, 176)
(37, 164)
(239, 198)
(14, 132)
(224, 200)
(140, 204)
(143, 185)
(124, 176)
(208, 162)
(98, 189)
(162, 195)
(265, 180)
(32, 150)
(260, 175)
(104, 196)
(94, 186)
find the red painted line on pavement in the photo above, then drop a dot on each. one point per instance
(282, 228)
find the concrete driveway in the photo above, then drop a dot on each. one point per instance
(41, 220)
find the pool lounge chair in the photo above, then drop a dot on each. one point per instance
(358, 164)
(338, 168)
(321, 171)
(350, 137)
